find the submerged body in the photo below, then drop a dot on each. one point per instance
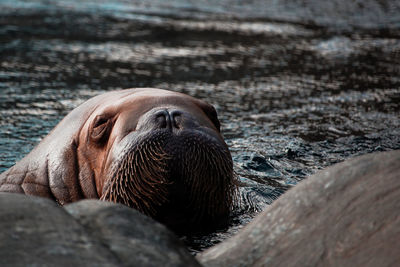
(157, 151)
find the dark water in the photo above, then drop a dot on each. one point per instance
(296, 89)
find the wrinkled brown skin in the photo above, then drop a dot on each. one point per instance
(67, 167)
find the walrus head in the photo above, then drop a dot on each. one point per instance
(161, 153)
(157, 151)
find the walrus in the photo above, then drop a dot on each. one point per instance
(158, 151)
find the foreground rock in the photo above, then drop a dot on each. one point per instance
(37, 232)
(137, 240)
(346, 215)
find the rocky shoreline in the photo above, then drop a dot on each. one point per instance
(345, 215)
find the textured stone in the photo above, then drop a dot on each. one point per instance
(135, 239)
(346, 215)
(38, 232)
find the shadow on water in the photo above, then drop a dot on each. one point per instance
(294, 95)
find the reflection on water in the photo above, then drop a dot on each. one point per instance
(292, 97)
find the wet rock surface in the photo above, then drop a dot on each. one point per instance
(342, 216)
(298, 85)
(37, 232)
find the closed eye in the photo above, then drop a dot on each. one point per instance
(101, 129)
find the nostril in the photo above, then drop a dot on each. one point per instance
(168, 119)
(161, 121)
(162, 118)
(176, 118)
(175, 113)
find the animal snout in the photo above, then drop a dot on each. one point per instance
(168, 119)
(163, 119)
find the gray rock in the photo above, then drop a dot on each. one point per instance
(38, 232)
(346, 215)
(135, 239)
